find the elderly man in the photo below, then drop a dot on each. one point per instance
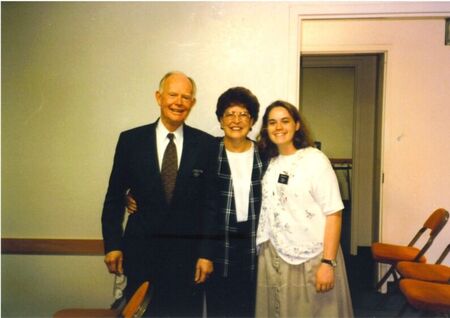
(165, 166)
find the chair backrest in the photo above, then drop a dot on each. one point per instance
(443, 255)
(138, 303)
(435, 223)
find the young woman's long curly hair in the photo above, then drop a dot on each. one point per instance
(301, 140)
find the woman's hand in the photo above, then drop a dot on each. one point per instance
(324, 278)
(131, 203)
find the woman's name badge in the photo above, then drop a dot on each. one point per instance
(283, 178)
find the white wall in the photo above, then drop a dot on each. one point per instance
(415, 151)
(39, 285)
(76, 74)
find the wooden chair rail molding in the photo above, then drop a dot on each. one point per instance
(52, 246)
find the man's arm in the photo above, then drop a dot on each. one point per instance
(113, 209)
(208, 248)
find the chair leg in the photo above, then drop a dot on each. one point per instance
(396, 276)
(391, 271)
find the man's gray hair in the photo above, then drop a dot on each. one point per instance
(163, 80)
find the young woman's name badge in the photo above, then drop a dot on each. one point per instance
(283, 178)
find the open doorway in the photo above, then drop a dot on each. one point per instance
(340, 96)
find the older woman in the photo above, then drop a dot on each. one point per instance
(237, 193)
(301, 271)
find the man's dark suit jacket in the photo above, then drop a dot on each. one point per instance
(161, 242)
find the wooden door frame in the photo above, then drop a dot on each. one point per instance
(348, 10)
(351, 10)
(363, 151)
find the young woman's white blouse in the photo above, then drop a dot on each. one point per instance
(293, 214)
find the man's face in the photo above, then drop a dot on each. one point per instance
(175, 100)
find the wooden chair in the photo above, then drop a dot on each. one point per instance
(437, 272)
(392, 254)
(134, 308)
(425, 296)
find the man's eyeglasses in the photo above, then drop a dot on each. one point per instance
(240, 115)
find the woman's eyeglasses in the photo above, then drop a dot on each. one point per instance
(239, 115)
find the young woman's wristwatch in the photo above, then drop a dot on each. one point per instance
(330, 262)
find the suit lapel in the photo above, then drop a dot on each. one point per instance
(152, 151)
(188, 159)
(189, 154)
(149, 165)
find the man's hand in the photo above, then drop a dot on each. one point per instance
(324, 278)
(203, 269)
(113, 261)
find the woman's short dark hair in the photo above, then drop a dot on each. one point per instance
(240, 96)
(301, 137)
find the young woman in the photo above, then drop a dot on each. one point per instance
(301, 271)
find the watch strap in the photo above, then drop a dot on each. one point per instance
(329, 262)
